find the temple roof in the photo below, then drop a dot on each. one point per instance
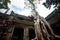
(53, 17)
(20, 20)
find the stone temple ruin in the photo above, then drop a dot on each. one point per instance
(18, 27)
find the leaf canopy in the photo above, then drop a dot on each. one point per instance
(48, 3)
(3, 4)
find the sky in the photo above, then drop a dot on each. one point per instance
(18, 7)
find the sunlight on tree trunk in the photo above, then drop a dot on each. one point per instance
(41, 31)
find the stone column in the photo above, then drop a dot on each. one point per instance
(26, 34)
(10, 32)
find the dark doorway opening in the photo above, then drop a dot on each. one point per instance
(18, 34)
(31, 34)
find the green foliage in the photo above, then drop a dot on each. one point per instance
(3, 4)
(48, 3)
(32, 3)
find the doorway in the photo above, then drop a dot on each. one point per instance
(31, 34)
(18, 34)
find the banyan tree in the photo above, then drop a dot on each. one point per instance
(41, 25)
